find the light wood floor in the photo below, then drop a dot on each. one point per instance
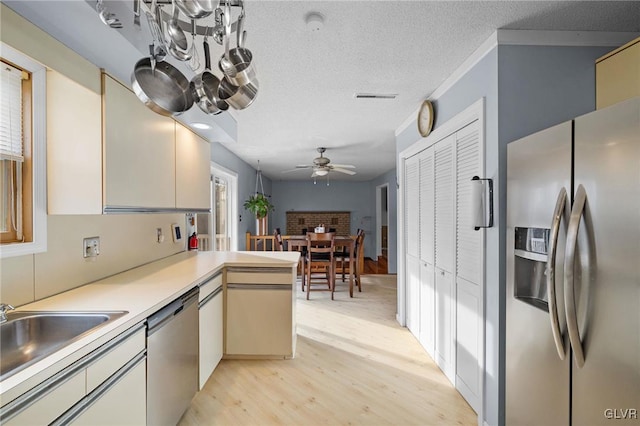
(354, 365)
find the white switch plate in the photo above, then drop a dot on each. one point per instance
(91, 246)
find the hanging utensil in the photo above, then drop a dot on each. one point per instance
(107, 18)
(194, 62)
(218, 30)
(136, 14)
(196, 9)
(176, 34)
(225, 63)
(205, 87)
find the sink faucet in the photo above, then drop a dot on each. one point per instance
(4, 308)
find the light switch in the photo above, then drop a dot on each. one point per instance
(91, 246)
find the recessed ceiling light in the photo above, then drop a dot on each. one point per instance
(314, 21)
(202, 126)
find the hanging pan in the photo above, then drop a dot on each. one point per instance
(164, 90)
(205, 87)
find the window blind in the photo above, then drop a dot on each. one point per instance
(11, 142)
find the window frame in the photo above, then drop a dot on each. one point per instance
(38, 153)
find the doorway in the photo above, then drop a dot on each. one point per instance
(382, 222)
(219, 225)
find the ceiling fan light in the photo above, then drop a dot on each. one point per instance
(322, 172)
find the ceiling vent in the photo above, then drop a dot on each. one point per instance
(375, 95)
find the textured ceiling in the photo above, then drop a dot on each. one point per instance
(308, 79)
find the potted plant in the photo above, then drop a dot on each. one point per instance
(260, 206)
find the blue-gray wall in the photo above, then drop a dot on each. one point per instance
(246, 187)
(526, 89)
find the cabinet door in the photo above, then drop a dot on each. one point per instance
(618, 76)
(124, 403)
(444, 322)
(52, 403)
(259, 321)
(139, 152)
(444, 180)
(210, 337)
(74, 147)
(413, 295)
(193, 175)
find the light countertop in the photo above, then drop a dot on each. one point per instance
(140, 291)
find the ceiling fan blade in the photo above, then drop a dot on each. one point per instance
(291, 170)
(303, 166)
(345, 171)
(344, 166)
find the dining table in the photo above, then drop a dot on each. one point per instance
(297, 242)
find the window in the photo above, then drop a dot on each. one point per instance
(22, 155)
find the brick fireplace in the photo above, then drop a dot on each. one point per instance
(297, 221)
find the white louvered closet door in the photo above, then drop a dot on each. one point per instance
(412, 235)
(469, 270)
(412, 204)
(426, 205)
(444, 180)
(468, 240)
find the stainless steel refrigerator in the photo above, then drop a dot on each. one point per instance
(573, 272)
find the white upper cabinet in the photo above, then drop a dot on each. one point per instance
(139, 152)
(193, 175)
(74, 147)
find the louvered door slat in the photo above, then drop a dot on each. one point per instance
(426, 205)
(468, 241)
(412, 203)
(444, 203)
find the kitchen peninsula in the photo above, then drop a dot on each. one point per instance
(144, 290)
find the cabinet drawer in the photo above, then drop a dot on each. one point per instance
(52, 403)
(260, 276)
(210, 286)
(112, 361)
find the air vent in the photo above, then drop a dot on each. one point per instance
(375, 95)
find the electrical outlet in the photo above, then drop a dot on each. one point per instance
(91, 246)
(160, 235)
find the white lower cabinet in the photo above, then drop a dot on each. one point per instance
(122, 402)
(427, 308)
(211, 327)
(445, 299)
(107, 386)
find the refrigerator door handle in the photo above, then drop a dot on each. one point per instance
(569, 287)
(551, 272)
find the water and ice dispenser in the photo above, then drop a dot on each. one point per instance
(531, 245)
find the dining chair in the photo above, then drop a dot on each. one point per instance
(342, 258)
(277, 240)
(319, 259)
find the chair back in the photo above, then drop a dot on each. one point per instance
(320, 246)
(277, 241)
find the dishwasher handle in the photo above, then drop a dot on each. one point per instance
(165, 314)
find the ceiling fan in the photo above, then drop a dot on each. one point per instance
(322, 166)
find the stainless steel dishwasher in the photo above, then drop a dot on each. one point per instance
(172, 359)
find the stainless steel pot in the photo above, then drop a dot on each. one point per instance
(236, 64)
(238, 97)
(196, 9)
(164, 90)
(205, 88)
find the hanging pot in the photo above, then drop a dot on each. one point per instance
(196, 9)
(205, 87)
(238, 97)
(236, 64)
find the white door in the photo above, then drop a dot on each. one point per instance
(224, 196)
(412, 233)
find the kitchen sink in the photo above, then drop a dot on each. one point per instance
(27, 337)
